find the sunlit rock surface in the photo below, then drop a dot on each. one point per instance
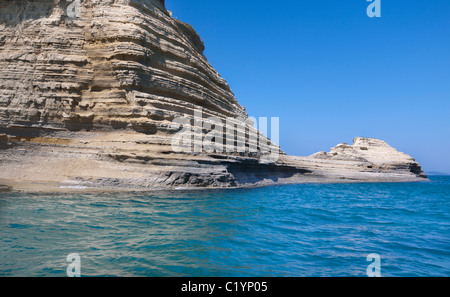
(88, 102)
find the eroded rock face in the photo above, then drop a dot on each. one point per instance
(118, 62)
(88, 101)
(376, 154)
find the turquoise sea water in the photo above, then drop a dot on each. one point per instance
(295, 230)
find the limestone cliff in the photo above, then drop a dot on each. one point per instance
(119, 64)
(88, 95)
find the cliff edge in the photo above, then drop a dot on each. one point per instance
(89, 92)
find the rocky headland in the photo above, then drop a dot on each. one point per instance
(88, 97)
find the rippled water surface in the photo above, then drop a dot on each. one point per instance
(296, 230)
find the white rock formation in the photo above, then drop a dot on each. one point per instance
(88, 101)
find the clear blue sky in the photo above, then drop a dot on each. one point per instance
(331, 73)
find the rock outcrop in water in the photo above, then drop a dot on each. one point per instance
(88, 96)
(368, 159)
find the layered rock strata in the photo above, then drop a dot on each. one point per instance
(89, 92)
(367, 159)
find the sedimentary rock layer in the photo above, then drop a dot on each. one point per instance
(89, 93)
(368, 159)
